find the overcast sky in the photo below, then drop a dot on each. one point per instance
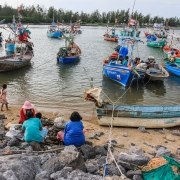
(163, 8)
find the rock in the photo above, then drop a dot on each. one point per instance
(101, 161)
(42, 176)
(74, 175)
(60, 122)
(61, 174)
(113, 170)
(65, 158)
(176, 132)
(9, 174)
(130, 174)
(161, 131)
(99, 150)
(2, 116)
(131, 161)
(88, 142)
(132, 144)
(20, 166)
(88, 151)
(137, 177)
(158, 146)
(170, 137)
(125, 134)
(136, 150)
(35, 146)
(178, 151)
(2, 145)
(142, 129)
(13, 142)
(92, 168)
(95, 135)
(163, 151)
(153, 153)
(44, 157)
(176, 157)
(70, 148)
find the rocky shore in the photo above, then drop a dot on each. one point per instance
(51, 160)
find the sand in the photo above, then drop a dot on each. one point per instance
(153, 136)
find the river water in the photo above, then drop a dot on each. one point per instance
(49, 84)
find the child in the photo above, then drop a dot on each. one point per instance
(3, 99)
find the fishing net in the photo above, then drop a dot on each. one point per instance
(165, 168)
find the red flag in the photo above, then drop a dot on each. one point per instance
(19, 8)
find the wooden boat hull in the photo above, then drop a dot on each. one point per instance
(121, 74)
(167, 51)
(138, 122)
(133, 111)
(56, 34)
(114, 39)
(68, 59)
(173, 68)
(9, 63)
(158, 44)
(156, 73)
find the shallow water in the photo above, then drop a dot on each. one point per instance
(47, 83)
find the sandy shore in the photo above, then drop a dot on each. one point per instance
(153, 136)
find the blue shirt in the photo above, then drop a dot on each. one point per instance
(125, 62)
(32, 130)
(73, 133)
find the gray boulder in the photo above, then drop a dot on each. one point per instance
(88, 151)
(163, 151)
(113, 170)
(44, 175)
(131, 161)
(92, 168)
(13, 142)
(100, 150)
(65, 158)
(130, 174)
(101, 161)
(19, 167)
(136, 150)
(137, 177)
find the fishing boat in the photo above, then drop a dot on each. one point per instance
(21, 36)
(115, 69)
(54, 30)
(173, 68)
(172, 54)
(110, 37)
(133, 115)
(70, 53)
(159, 35)
(10, 63)
(130, 32)
(154, 42)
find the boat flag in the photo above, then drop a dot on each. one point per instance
(132, 22)
(19, 8)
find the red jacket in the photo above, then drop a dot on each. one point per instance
(23, 116)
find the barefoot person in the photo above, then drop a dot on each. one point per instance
(3, 99)
(23, 111)
(73, 133)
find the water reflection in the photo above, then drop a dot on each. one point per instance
(157, 88)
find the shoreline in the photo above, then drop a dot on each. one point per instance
(153, 137)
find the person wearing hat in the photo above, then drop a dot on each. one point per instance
(23, 111)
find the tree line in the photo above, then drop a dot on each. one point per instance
(32, 14)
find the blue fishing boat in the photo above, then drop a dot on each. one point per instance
(53, 30)
(70, 53)
(123, 73)
(173, 68)
(133, 115)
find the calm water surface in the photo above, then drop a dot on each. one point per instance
(47, 83)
